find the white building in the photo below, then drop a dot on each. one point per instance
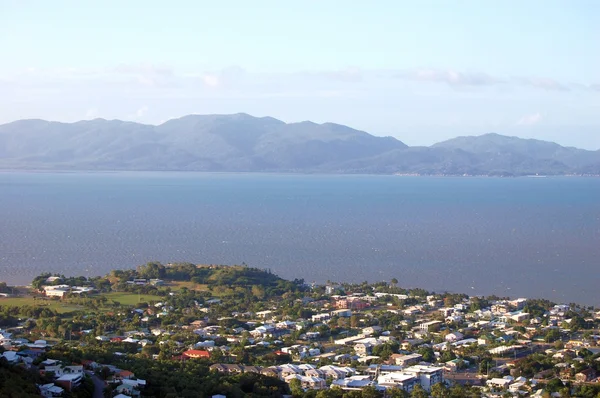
(427, 375)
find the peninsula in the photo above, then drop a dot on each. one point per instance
(186, 330)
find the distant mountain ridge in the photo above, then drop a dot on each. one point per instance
(244, 143)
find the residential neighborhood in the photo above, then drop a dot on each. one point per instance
(299, 339)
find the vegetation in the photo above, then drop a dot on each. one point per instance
(17, 382)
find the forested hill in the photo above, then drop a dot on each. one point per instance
(213, 276)
(243, 143)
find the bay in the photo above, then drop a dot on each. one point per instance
(532, 237)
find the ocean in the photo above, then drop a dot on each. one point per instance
(532, 237)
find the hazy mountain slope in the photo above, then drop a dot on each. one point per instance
(503, 151)
(242, 142)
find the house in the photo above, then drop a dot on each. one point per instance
(376, 370)
(371, 330)
(518, 303)
(455, 364)
(363, 349)
(406, 360)
(585, 375)
(51, 390)
(70, 381)
(11, 357)
(125, 391)
(404, 381)
(408, 344)
(89, 364)
(285, 325)
(342, 313)
(354, 382)
(485, 339)
(519, 316)
(314, 373)
(196, 354)
(289, 370)
(307, 382)
(228, 368)
(321, 317)
(271, 372)
(454, 336)
(264, 314)
(337, 372)
(505, 338)
(430, 326)
(499, 383)
(124, 375)
(73, 369)
(56, 292)
(198, 324)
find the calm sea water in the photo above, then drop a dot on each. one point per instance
(534, 237)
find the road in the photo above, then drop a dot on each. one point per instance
(98, 385)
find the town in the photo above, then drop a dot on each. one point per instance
(230, 331)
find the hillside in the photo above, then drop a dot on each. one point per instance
(245, 143)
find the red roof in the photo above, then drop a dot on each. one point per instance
(196, 354)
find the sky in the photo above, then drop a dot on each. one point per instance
(422, 71)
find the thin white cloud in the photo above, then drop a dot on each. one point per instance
(543, 83)
(530, 120)
(344, 75)
(595, 87)
(211, 80)
(449, 76)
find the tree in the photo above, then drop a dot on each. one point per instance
(428, 354)
(396, 392)
(296, 388)
(439, 390)
(258, 292)
(370, 392)
(419, 392)
(552, 336)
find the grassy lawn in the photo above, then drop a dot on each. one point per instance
(29, 300)
(178, 285)
(131, 298)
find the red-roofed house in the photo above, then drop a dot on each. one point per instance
(196, 354)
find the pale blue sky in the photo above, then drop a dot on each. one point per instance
(422, 71)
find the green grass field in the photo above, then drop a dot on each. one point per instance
(178, 285)
(29, 300)
(131, 298)
(123, 298)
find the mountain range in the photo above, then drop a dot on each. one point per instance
(243, 143)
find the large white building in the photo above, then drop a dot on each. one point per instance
(427, 375)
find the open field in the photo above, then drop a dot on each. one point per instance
(178, 285)
(126, 298)
(123, 298)
(29, 300)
